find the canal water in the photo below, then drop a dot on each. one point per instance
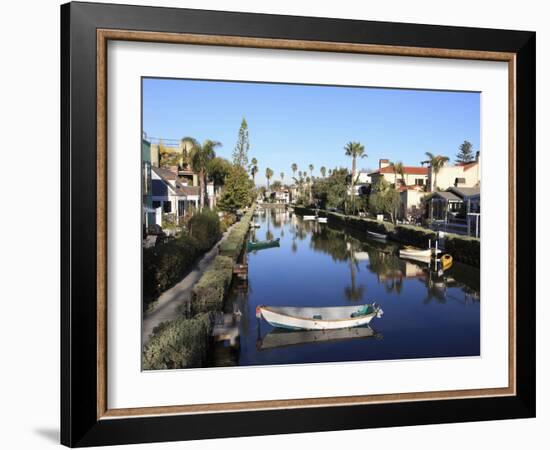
(427, 313)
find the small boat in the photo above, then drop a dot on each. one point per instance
(374, 235)
(323, 318)
(446, 261)
(278, 337)
(417, 253)
(322, 219)
(260, 245)
(254, 225)
(309, 217)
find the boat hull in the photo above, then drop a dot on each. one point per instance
(303, 318)
(374, 235)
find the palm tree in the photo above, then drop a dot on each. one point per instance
(200, 156)
(311, 170)
(282, 177)
(323, 171)
(354, 150)
(398, 168)
(436, 162)
(254, 169)
(268, 175)
(329, 172)
(294, 168)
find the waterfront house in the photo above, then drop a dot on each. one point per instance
(410, 203)
(459, 175)
(147, 211)
(282, 196)
(457, 210)
(172, 196)
(412, 175)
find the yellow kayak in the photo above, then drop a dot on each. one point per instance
(446, 261)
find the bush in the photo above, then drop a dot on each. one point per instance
(179, 344)
(417, 236)
(209, 292)
(205, 228)
(226, 221)
(233, 243)
(463, 248)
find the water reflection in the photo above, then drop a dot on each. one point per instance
(428, 313)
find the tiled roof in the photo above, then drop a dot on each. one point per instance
(164, 173)
(407, 170)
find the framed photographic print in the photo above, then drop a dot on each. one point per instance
(277, 224)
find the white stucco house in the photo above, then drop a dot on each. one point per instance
(172, 194)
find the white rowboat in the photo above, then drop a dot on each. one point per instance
(374, 235)
(309, 217)
(324, 318)
(417, 253)
(322, 219)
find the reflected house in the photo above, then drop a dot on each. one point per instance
(172, 195)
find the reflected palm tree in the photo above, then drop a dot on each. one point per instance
(353, 292)
(294, 246)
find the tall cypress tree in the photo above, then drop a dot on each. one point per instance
(240, 154)
(465, 153)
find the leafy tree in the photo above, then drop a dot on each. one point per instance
(218, 169)
(384, 199)
(237, 192)
(240, 153)
(465, 153)
(276, 185)
(200, 156)
(331, 192)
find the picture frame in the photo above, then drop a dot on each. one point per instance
(86, 28)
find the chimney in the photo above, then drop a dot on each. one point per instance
(383, 163)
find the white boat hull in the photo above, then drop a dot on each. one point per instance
(309, 217)
(374, 235)
(332, 318)
(322, 219)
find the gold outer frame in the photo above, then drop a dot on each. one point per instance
(104, 35)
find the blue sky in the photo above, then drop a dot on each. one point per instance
(311, 124)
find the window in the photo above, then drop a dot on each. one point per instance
(419, 181)
(156, 204)
(167, 207)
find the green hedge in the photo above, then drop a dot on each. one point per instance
(205, 228)
(179, 344)
(167, 263)
(412, 235)
(210, 291)
(463, 248)
(356, 222)
(233, 243)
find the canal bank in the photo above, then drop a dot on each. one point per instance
(462, 248)
(183, 338)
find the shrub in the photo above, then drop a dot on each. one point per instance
(179, 344)
(233, 243)
(418, 236)
(463, 248)
(226, 221)
(209, 292)
(205, 228)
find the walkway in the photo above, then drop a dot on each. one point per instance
(166, 307)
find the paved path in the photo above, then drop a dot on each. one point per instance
(166, 307)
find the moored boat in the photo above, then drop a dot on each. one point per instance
(417, 253)
(374, 235)
(319, 318)
(254, 225)
(322, 219)
(309, 217)
(259, 245)
(446, 261)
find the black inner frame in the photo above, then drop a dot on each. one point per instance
(79, 424)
